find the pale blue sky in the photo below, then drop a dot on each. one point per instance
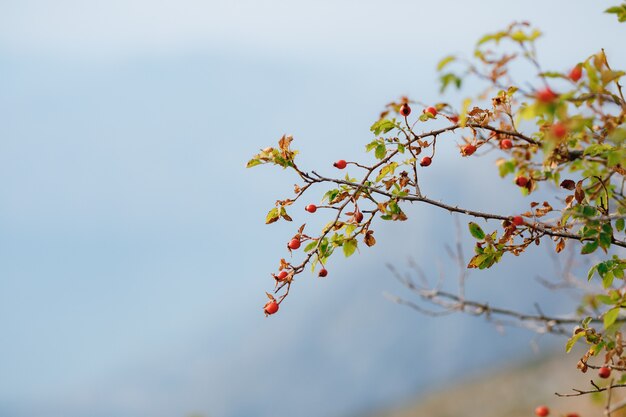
(133, 254)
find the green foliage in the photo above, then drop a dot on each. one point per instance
(619, 11)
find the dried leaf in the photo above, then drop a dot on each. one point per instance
(568, 184)
(579, 194)
(560, 245)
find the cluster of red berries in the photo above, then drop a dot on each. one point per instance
(405, 110)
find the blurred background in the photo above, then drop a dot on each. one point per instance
(133, 251)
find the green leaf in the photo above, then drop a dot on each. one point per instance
(253, 162)
(572, 341)
(382, 126)
(349, 246)
(589, 247)
(610, 317)
(592, 270)
(381, 151)
(619, 224)
(619, 11)
(272, 216)
(607, 279)
(312, 245)
(476, 231)
(445, 61)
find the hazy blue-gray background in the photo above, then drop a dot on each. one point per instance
(133, 254)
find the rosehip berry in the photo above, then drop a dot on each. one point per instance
(558, 130)
(358, 216)
(426, 161)
(271, 307)
(454, 119)
(546, 95)
(521, 181)
(576, 73)
(294, 244)
(604, 372)
(518, 220)
(405, 110)
(468, 149)
(323, 272)
(506, 144)
(572, 415)
(542, 411)
(281, 275)
(311, 208)
(341, 164)
(431, 110)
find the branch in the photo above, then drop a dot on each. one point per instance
(578, 392)
(544, 228)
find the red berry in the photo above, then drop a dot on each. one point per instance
(426, 161)
(341, 164)
(572, 415)
(506, 144)
(558, 130)
(468, 149)
(271, 307)
(281, 275)
(311, 208)
(323, 272)
(431, 110)
(542, 411)
(454, 119)
(518, 220)
(521, 181)
(546, 95)
(294, 244)
(405, 110)
(604, 372)
(358, 217)
(576, 73)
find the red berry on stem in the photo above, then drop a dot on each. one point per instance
(521, 181)
(271, 307)
(311, 208)
(426, 161)
(546, 95)
(542, 411)
(341, 164)
(558, 130)
(468, 149)
(572, 415)
(323, 272)
(454, 119)
(405, 110)
(281, 275)
(294, 244)
(506, 144)
(518, 220)
(604, 372)
(431, 110)
(358, 216)
(576, 73)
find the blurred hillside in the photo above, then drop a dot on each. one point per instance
(510, 392)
